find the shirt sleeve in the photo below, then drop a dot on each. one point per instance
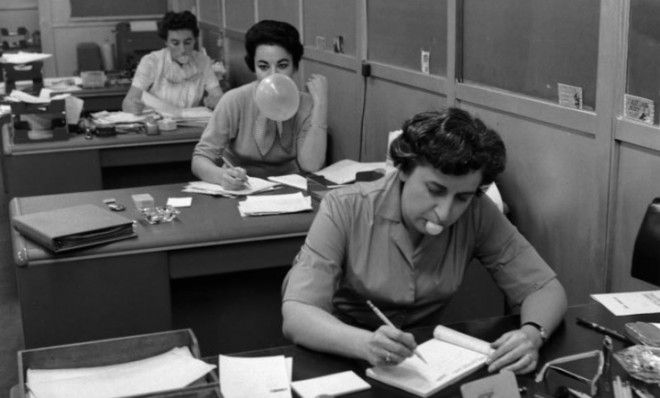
(515, 265)
(220, 129)
(317, 268)
(145, 74)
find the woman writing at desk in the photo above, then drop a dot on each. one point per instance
(404, 242)
(178, 74)
(238, 131)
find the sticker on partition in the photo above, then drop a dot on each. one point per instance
(569, 96)
(425, 59)
(638, 108)
(320, 43)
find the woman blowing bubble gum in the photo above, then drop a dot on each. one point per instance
(245, 137)
(404, 241)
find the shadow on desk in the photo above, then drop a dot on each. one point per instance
(231, 312)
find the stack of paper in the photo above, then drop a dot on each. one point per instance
(254, 185)
(292, 180)
(197, 116)
(23, 57)
(105, 117)
(275, 204)
(345, 170)
(176, 368)
(255, 377)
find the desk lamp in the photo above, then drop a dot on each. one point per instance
(646, 255)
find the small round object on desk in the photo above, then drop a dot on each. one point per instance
(166, 124)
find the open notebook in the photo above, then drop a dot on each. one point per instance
(451, 356)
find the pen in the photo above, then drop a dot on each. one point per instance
(389, 323)
(603, 330)
(230, 164)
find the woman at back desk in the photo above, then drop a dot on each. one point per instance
(178, 74)
(253, 144)
(404, 241)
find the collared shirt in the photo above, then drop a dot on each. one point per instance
(151, 75)
(230, 132)
(358, 248)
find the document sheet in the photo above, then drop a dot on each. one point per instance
(332, 385)
(345, 170)
(630, 303)
(255, 377)
(274, 204)
(176, 368)
(254, 185)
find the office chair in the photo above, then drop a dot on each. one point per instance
(646, 254)
(23, 32)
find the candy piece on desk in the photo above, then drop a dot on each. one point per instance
(143, 201)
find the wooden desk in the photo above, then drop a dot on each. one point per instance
(79, 164)
(123, 288)
(568, 339)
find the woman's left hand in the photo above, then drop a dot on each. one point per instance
(516, 351)
(318, 88)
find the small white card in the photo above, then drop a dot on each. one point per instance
(332, 385)
(638, 108)
(180, 202)
(569, 96)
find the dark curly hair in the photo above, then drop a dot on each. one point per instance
(271, 32)
(178, 21)
(451, 141)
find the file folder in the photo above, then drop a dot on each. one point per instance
(74, 227)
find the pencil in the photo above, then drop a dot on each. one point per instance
(230, 164)
(389, 323)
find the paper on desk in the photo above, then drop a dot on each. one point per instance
(173, 369)
(105, 117)
(292, 180)
(630, 303)
(74, 107)
(23, 57)
(21, 96)
(345, 170)
(274, 204)
(254, 185)
(255, 377)
(180, 202)
(332, 385)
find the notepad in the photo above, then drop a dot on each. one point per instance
(242, 377)
(451, 355)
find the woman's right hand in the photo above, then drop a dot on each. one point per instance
(233, 178)
(389, 346)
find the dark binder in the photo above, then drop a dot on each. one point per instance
(74, 227)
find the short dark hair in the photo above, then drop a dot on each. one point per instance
(451, 141)
(271, 32)
(178, 21)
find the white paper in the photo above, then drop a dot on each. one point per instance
(105, 117)
(180, 202)
(333, 385)
(20, 96)
(254, 185)
(143, 26)
(174, 369)
(23, 57)
(638, 108)
(345, 170)
(630, 303)
(254, 377)
(274, 204)
(292, 180)
(74, 107)
(569, 96)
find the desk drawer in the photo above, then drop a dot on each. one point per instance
(148, 154)
(233, 257)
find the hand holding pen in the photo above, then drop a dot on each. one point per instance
(391, 354)
(234, 177)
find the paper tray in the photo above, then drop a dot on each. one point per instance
(114, 351)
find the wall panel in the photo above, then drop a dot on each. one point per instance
(240, 14)
(389, 104)
(344, 109)
(553, 196)
(280, 10)
(638, 169)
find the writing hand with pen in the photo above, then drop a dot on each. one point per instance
(232, 177)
